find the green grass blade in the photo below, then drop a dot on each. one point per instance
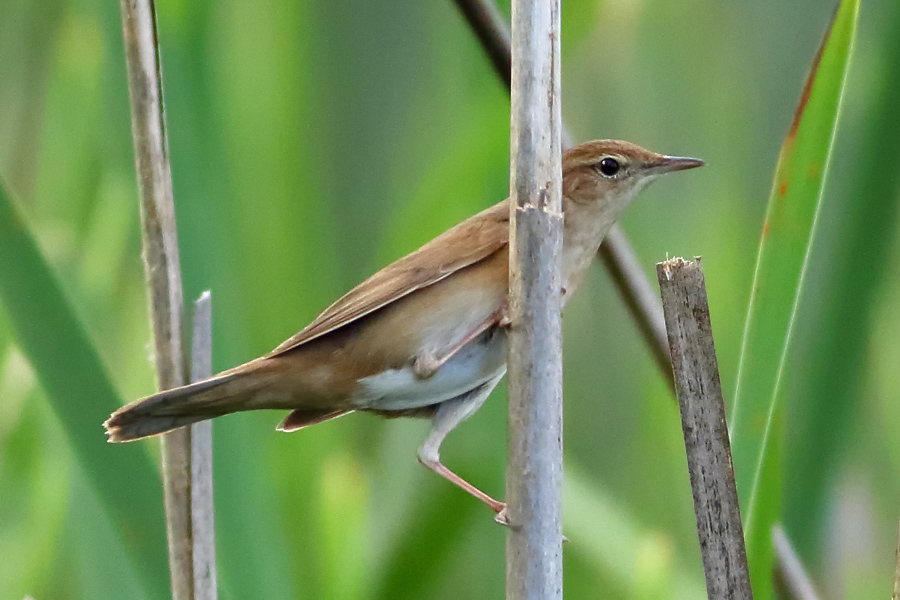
(781, 265)
(829, 397)
(50, 334)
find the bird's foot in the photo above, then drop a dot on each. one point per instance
(502, 517)
(426, 365)
(503, 317)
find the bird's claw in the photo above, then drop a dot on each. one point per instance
(502, 517)
(504, 320)
(425, 366)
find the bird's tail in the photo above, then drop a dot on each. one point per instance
(220, 395)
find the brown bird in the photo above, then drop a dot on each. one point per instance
(423, 337)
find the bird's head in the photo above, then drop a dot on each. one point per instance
(613, 171)
(600, 179)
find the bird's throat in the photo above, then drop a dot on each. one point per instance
(585, 227)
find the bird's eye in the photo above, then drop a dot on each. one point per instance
(609, 167)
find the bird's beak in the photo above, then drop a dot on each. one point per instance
(667, 164)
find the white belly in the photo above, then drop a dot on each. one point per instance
(398, 389)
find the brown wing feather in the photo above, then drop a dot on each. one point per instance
(470, 242)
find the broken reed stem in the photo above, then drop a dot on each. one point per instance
(534, 473)
(702, 406)
(617, 254)
(161, 269)
(202, 507)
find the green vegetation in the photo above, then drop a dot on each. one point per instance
(312, 143)
(785, 249)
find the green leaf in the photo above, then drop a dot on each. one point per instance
(829, 398)
(777, 284)
(68, 367)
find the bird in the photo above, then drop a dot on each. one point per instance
(425, 336)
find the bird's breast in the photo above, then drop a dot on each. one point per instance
(398, 389)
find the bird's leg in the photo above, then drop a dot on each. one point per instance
(504, 320)
(428, 363)
(451, 413)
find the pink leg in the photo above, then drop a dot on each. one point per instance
(450, 414)
(455, 479)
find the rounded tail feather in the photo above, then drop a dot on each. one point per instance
(178, 407)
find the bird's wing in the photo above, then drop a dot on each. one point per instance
(470, 242)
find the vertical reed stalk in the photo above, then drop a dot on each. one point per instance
(163, 273)
(534, 477)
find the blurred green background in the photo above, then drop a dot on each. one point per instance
(313, 142)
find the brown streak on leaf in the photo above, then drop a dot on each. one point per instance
(782, 188)
(807, 87)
